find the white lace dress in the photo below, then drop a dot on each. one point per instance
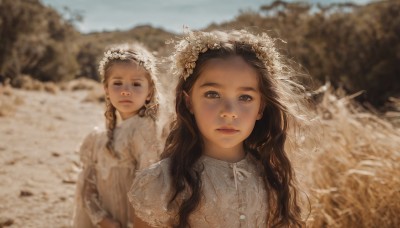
(104, 181)
(233, 195)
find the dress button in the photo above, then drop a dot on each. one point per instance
(242, 217)
(240, 178)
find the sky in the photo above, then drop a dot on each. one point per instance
(171, 15)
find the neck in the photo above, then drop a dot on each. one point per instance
(125, 116)
(232, 154)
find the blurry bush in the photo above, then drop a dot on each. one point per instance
(354, 47)
(35, 40)
(27, 82)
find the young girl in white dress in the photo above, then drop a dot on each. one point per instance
(111, 157)
(225, 163)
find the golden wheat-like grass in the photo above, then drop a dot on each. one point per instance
(353, 174)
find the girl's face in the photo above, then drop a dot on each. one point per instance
(226, 102)
(128, 88)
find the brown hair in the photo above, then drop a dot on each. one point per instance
(266, 143)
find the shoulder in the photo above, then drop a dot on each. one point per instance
(155, 176)
(151, 192)
(96, 134)
(88, 143)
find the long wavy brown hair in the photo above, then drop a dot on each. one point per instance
(266, 143)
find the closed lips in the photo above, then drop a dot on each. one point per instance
(227, 130)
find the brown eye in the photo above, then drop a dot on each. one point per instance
(245, 98)
(211, 94)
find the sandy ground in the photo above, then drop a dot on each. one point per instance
(39, 156)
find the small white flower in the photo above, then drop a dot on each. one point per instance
(125, 52)
(188, 49)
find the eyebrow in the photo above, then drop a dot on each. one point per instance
(118, 77)
(213, 84)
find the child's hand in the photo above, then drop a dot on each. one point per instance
(109, 223)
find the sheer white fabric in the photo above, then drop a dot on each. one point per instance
(233, 195)
(104, 181)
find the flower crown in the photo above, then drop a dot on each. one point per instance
(197, 42)
(129, 52)
(110, 55)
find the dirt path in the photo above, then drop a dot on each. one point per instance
(38, 156)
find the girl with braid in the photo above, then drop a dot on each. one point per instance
(224, 162)
(111, 158)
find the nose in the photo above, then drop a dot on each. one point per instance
(126, 92)
(229, 111)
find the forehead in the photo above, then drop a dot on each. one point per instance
(232, 72)
(126, 70)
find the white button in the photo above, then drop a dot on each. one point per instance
(242, 217)
(240, 178)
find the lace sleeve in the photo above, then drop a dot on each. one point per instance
(150, 194)
(90, 197)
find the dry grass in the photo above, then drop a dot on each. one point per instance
(9, 101)
(50, 87)
(95, 95)
(95, 91)
(80, 84)
(393, 115)
(354, 175)
(26, 82)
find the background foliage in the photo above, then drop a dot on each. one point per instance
(353, 47)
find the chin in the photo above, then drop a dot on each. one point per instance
(228, 145)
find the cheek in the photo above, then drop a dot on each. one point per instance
(139, 91)
(205, 109)
(113, 89)
(205, 114)
(144, 88)
(250, 111)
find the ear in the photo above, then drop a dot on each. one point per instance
(149, 96)
(260, 111)
(188, 102)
